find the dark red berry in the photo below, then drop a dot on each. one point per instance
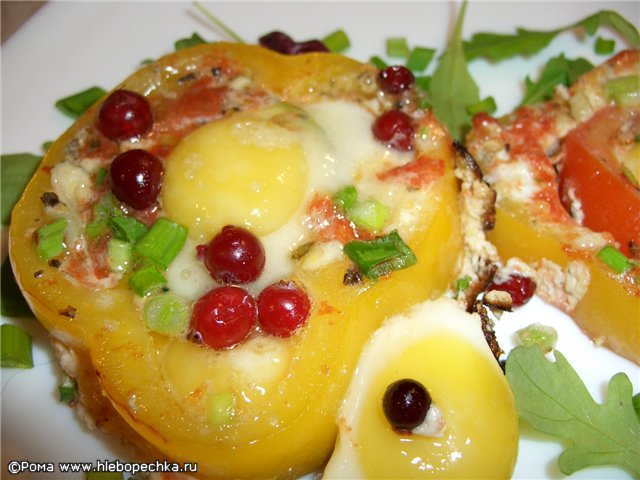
(405, 404)
(234, 256)
(136, 178)
(223, 316)
(124, 115)
(520, 288)
(395, 79)
(277, 41)
(283, 43)
(283, 308)
(395, 129)
(308, 47)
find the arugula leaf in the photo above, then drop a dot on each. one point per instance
(12, 303)
(497, 47)
(452, 88)
(17, 169)
(558, 70)
(554, 400)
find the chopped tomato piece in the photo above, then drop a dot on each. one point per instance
(329, 224)
(418, 173)
(591, 174)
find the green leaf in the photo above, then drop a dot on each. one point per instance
(191, 41)
(76, 104)
(616, 22)
(557, 71)
(17, 169)
(554, 400)
(452, 88)
(12, 303)
(497, 47)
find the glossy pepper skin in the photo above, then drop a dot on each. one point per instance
(538, 227)
(158, 385)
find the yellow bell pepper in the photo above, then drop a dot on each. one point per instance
(164, 388)
(609, 311)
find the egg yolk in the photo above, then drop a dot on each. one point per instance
(249, 170)
(465, 387)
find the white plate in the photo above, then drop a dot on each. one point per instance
(68, 46)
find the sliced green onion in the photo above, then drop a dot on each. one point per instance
(127, 229)
(615, 259)
(397, 47)
(423, 82)
(419, 59)
(337, 41)
(378, 62)
(50, 239)
(625, 90)
(462, 284)
(604, 46)
(192, 41)
(369, 214)
(146, 280)
(76, 104)
(15, 347)
(380, 256)
(346, 198)
(221, 408)
(544, 336)
(67, 389)
(167, 313)
(219, 23)
(101, 176)
(162, 242)
(487, 105)
(103, 211)
(119, 255)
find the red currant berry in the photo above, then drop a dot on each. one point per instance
(405, 404)
(395, 129)
(124, 115)
(223, 316)
(234, 256)
(520, 288)
(283, 307)
(136, 178)
(395, 79)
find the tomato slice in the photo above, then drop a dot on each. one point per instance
(592, 174)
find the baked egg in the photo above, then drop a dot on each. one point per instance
(472, 415)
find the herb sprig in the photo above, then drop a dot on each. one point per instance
(554, 400)
(497, 47)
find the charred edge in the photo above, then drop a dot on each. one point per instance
(488, 332)
(466, 163)
(479, 286)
